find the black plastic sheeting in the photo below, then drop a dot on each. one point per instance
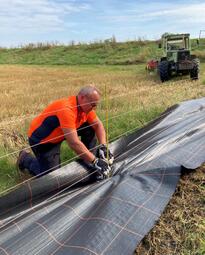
(53, 215)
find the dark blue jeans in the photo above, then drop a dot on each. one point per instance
(47, 156)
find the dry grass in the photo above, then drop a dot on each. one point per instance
(181, 229)
(200, 54)
(27, 90)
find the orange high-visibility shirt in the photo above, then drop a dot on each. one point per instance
(63, 113)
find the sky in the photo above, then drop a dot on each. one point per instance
(63, 21)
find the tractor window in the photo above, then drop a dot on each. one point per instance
(171, 46)
(175, 45)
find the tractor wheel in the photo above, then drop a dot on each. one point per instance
(163, 70)
(194, 73)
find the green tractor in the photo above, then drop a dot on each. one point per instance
(177, 59)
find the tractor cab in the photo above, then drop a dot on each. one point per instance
(176, 46)
(177, 58)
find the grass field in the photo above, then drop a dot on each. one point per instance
(135, 98)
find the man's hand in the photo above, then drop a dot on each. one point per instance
(103, 152)
(102, 167)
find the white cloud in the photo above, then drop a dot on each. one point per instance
(36, 15)
(178, 13)
(194, 11)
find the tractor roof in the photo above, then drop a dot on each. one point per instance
(175, 36)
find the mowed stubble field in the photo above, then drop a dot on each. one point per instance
(26, 90)
(135, 98)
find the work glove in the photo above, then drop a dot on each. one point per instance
(102, 167)
(103, 152)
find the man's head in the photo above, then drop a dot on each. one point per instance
(88, 98)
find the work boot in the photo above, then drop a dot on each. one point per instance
(20, 160)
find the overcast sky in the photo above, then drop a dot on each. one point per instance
(25, 21)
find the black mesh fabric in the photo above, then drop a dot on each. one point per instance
(64, 212)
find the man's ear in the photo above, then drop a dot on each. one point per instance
(82, 97)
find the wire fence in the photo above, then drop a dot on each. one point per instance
(115, 117)
(29, 116)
